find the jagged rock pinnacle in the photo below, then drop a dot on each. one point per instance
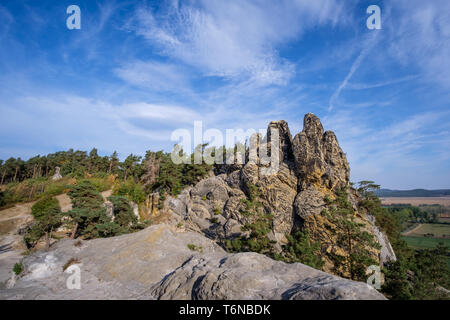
(319, 159)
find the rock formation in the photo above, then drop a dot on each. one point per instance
(312, 166)
(156, 263)
(57, 175)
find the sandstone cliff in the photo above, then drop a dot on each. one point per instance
(312, 166)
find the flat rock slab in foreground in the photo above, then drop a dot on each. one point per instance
(156, 263)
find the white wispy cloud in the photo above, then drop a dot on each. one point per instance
(364, 86)
(391, 153)
(420, 36)
(355, 65)
(153, 75)
(235, 40)
(163, 113)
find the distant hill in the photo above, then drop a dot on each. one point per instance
(386, 193)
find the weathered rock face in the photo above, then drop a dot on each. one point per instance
(311, 166)
(386, 253)
(156, 263)
(285, 139)
(319, 160)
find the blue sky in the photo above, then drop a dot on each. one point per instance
(138, 70)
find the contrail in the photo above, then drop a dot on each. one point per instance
(353, 68)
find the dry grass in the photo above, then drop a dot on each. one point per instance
(416, 201)
(70, 262)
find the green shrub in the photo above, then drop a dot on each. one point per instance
(18, 268)
(193, 247)
(123, 213)
(260, 226)
(85, 194)
(86, 221)
(301, 249)
(88, 211)
(108, 229)
(234, 245)
(100, 184)
(48, 205)
(32, 236)
(130, 189)
(162, 198)
(47, 214)
(214, 220)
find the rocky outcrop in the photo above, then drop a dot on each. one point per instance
(387, 254)
(57, 175)
(150, 207)
(319, 160)
(310, 167)
(184, 258)
(156, 263)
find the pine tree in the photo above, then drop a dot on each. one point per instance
(113, 163)
(87, 211)
(350, 238)
(301, 249)
(123, 213)
(47, 213)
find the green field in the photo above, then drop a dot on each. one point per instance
(438, 230)
(426, 243)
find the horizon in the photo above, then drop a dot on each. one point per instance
(135, 72)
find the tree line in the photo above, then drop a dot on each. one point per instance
(71, 163)
(155, 172)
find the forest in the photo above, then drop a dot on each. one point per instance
(155, 172)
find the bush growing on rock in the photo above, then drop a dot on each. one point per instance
(17, 268)
(301, 249)
(33, 234)
(259, 226)
(108, 229)
(47, 214)
(354, 242)
(123, 213)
